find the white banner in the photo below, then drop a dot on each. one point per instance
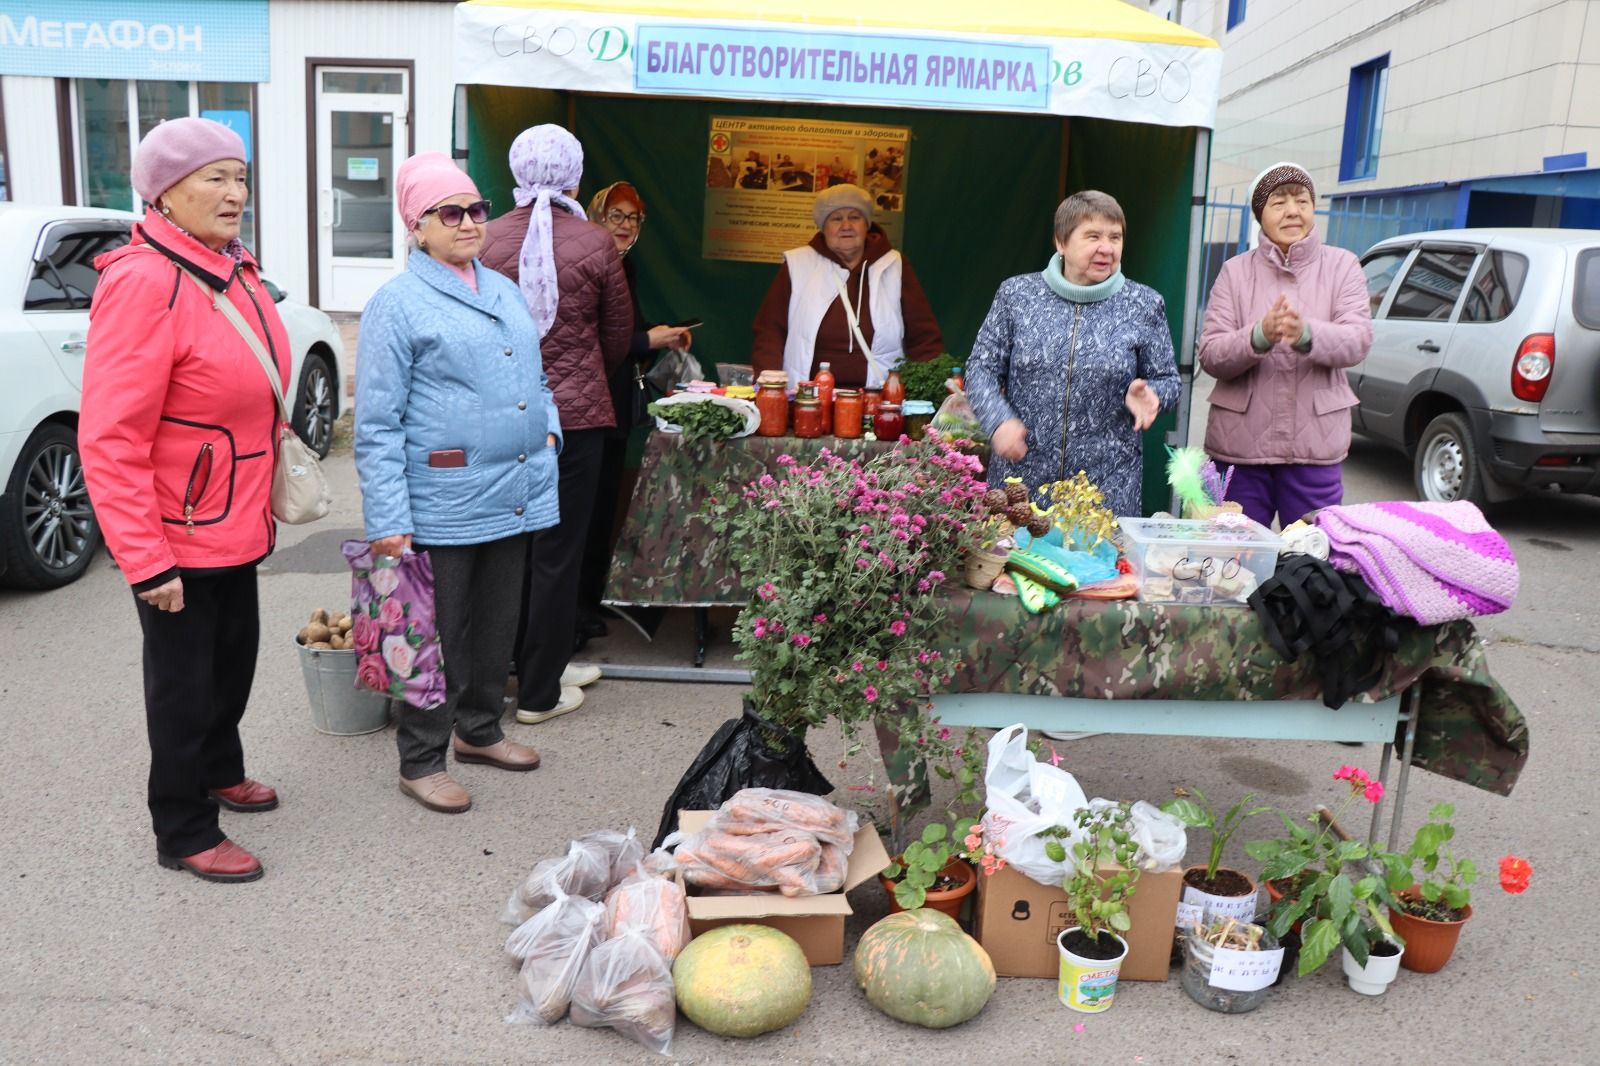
(1130, 81)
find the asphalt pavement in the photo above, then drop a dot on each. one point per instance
(373, 937)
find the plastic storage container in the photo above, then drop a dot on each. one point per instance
(1213, 562)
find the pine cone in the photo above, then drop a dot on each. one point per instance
(1019, 514)
(1038, 525)
(996, 500)
(1017, 493)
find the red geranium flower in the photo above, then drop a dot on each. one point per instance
(1515, 873)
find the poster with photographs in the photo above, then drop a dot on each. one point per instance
(763, 173)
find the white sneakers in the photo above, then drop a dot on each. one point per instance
(579, 675)
(571, 699)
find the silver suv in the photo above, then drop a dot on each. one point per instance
(1485, 364)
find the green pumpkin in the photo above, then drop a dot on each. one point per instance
(742, 980)
(918, 966)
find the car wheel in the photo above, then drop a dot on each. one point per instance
(315, 404)
(48, 532)
(1446, 465)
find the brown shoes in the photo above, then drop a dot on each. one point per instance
(506, 754)
(247, 796)
(437, 792)
(226, 862)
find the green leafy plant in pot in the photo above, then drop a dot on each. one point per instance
(1103, 880)
(1306, 868)
(1218, 890)
(937, 870)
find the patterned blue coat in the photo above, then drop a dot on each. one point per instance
(442, 367)
(1064, 368)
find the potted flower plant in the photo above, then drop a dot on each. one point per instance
(1433, 893)
(1305, 874)
(1103, 879)
(1219, 891)
(847, 557)
(932, 871)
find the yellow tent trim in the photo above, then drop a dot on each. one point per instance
(1105, 19)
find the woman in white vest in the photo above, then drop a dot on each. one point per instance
(847, 299)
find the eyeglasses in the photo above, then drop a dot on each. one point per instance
(452, 214)
(616, 217)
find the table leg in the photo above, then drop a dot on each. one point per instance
(702, 634)
(1377, 808)
(1413, 698)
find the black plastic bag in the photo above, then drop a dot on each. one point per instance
(740, 756)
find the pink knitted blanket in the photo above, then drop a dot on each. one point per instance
(1435, 562)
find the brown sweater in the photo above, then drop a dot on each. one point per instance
(835, 342)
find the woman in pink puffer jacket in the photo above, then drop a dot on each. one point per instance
(1283, 322)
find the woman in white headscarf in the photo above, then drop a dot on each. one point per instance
(571, 275)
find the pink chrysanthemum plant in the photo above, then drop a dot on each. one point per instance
(1335, 890)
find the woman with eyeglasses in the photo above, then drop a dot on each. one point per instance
(571, 276)
(456, 435)
(620, 209)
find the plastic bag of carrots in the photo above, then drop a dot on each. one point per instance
(652, 905)
(769, 838)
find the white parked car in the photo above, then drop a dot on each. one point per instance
(48, 533)
(1485, 362)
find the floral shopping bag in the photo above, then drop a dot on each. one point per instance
(396, 640)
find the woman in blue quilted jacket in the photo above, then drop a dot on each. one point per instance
(456, 435)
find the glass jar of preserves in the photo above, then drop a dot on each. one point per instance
(917, 413)
(870, 399)
(888, 423)
(808, 418)
(848, 412)
(773, 403)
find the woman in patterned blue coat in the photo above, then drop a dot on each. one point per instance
(1074, 363)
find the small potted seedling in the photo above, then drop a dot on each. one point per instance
(1102, 882)
(1219, 891)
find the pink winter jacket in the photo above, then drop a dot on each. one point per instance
(1282, 406)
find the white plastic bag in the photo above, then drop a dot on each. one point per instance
(651, 905)
(585, 870)
(552, 947)
(1026, 797)
(626, 985)
(623, 849)
(1161, 837)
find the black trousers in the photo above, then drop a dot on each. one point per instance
(597, 551)
(555, 558)
(475, 603)
(199, 665)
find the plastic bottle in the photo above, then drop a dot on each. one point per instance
(956, 382)
(825, 396)
(894, 390)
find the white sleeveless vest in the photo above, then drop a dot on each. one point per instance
(814, 282)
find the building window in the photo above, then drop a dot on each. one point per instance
(5, 180)
(1363, 120)
(1235, 12)
(112, 116)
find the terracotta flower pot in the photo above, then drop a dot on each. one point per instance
(948, 900)
(1429, 944)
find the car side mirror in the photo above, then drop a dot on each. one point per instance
(278, 295)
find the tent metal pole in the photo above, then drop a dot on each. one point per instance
(1191, 290)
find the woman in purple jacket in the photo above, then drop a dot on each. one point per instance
(1283, 322)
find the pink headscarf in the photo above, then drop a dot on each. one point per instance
(425, 181)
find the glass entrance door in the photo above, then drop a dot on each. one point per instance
(361, 140)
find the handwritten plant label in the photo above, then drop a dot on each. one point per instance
(1190, 915)
(1241, 907)
(1244, 971)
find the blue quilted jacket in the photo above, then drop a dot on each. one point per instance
(440, 367)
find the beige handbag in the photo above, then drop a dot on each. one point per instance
(299, 491)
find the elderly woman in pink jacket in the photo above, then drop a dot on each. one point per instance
(1283, 322)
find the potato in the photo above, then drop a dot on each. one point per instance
(316, 631)
(304, 636)
(320, 615)
(344, 623)
(323, 645)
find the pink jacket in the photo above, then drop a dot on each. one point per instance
(1282, 406)
(177, 426)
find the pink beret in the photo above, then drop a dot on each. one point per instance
(177, 148)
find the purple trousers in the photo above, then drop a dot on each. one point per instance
(1287, 490)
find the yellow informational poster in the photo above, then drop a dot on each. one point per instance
(762, 175)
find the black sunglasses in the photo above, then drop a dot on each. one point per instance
(452, 214)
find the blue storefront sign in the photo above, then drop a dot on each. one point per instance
(692, 59)
(173, 40)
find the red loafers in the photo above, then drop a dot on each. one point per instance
(226, 862)
(247, 796)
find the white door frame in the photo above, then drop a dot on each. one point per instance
(344, 283)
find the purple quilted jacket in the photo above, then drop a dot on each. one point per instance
(1282, 406)
(594, 320)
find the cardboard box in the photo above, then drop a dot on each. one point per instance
(1017, 921)
(815, 922)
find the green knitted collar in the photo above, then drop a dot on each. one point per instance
(1080, 294)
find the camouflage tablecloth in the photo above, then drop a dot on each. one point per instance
(1468, 727)
(665, 556)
